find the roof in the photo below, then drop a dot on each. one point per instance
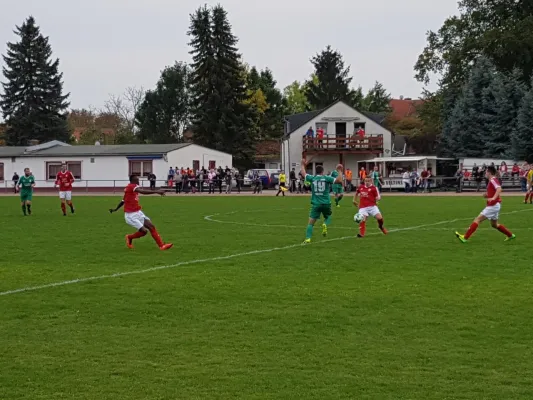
(268, 149)
(402, 108)
(58, 149)
(111, 150)
(376, 117)
(298, 120)
(406, 159)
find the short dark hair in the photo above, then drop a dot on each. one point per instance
(319, 169)
(491, 170)
(132, 177)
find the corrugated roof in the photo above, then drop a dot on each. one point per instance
(12, 151)
(109, 150)
(298, 120)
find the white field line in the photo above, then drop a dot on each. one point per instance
(220, 258)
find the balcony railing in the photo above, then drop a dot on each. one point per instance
(368, 144)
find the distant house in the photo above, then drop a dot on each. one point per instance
(105, 166)
(339, 145)
(402, 108)
(268, 154)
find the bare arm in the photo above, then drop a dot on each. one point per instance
(112, 210)
(339, 176)
(148, 191)
(303, 166)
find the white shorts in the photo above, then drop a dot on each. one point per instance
(492, 213)
(65, 195)
(369, 211)
(136, 219)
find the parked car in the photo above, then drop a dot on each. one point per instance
(266, 176)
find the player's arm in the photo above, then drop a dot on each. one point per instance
(19, 185)
(356, 198)
(56, 183)
(112, 210)
(303, 168)
(148, 191)
(377, 194)
(339, 175)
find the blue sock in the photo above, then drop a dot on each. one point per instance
(309, 232)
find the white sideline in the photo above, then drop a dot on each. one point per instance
(221, 258)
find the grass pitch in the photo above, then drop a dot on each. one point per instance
(411, 315)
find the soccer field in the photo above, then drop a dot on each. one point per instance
(238, 309)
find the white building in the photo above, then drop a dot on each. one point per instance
(105, 166)
(339, 122)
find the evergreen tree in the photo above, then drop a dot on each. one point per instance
(502, 101)
(165, 111)
(295, 99)
(222, 116)
(466, 128)
(377, 99)
(33, 103)
(333, 81)
(522, 136)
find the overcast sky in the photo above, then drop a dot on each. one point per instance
(105, 46)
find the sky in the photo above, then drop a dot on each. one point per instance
(105, 46)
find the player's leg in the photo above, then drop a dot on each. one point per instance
(499, 227)
(28, 204)
(68, 198)
(23, 203)
(155, 235)
(379, 218)
(133, 219)
(362, 224)
(314, 214)
(62, 196)
(326, 212)
(485, 214)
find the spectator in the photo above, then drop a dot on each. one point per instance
(211, 176)
(219, 178)
(424, 175)
(152, 178)
(515, 171)
(171, 173)
(179, 181)
(258, 183)
(229, 181)
(407, 181)
(523, 176)
(185, 183)
(414, 181)
(362, 175)
(459, 180)
(239, 180)
(320, 137)
(503, 169)
(15, 180)
(348, 176)
(292, 177)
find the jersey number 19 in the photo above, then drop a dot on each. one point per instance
(319, 186)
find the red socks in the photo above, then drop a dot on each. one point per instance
(471, 230)
(362, 228)
(380, 223)
(63, 208)
(156, 237)
(504, 230)
(136, 235)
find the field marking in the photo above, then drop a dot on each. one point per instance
(220, 258)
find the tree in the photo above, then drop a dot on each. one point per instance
(33, 103)
(126, 106)
(223, 119)
(332, 83)
(295, 98)
(502, 101)
(165, 111)
(500, 30)
(466, 128)
(522, 136)
(377, 99)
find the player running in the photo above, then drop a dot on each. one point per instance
(338, 190)
(135, 217)
(529, 193)
(64, 180)
(320, 198)
(366, 198)
(25, 186)
(491, 211)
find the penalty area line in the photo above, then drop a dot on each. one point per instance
(214, 259)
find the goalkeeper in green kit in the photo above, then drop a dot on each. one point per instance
(320, 199)
(25, 185)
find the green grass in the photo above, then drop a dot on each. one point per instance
(411, 315)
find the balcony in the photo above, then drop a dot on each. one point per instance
(371, 144)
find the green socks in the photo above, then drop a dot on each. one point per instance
(327, 220)
(309, 232)
(24, 209)
(338, 200)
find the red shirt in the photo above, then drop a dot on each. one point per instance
(320, 133)
(131, 199)
(361, 133)
(369, 195)
(64, 180)
(491, 191)
(516, 169)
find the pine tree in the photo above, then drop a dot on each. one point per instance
(223, 118)
(501, 103)
(522, 136)
(377, 99)
(33, 103)
(333, 81)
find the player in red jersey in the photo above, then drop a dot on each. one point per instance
(491, 211)
(135, 217)
(366, 198)
(65, 179)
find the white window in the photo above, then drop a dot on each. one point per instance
(141, 167)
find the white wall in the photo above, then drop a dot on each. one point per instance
(292, 147)
(184, 157)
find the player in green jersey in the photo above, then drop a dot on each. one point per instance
(25, 185)
(338, 190)
(320, 198)
(376, 178)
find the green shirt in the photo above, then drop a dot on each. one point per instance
(334, 175)
(375, 177)
(320, 188)
(25, 183)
